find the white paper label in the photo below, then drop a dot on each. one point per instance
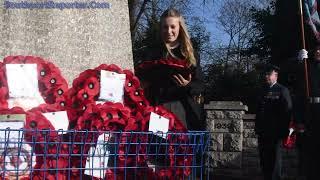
(23, 86)
(18, 157)
(112, 86)
(22, 80)
(97, 161)
(58, 119)
(25, 102)
(159, 125)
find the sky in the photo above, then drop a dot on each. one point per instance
(208, 13)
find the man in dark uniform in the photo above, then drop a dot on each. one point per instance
(272, 123)
(310, 114)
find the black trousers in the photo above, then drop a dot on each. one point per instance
(301, 146)
(270, 157)
(312, 142)
(313, 156)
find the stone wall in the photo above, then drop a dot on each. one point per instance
(234, 143)
(250, 158)
(224, 120)
(75, 39)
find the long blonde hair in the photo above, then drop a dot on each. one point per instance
(184, 37)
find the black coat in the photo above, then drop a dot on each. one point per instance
(274, 112)
(163, 89)
(304, 112)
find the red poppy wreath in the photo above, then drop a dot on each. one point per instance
(52, 86)
(86, 90)
(152, 68)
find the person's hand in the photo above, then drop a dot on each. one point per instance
(303, 54)
(181, 81)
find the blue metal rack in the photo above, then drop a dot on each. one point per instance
(47, 154)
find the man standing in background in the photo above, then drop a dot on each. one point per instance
(272, 123)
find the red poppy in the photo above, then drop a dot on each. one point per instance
(83, 95)
(36, 121)
(61, 102)
(134, 96)
(53, 79)
(132, 82)
(92, 86)
(84, 122)
(78, 82)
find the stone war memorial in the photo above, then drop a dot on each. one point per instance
(73, 36)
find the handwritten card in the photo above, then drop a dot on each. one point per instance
(112, 86)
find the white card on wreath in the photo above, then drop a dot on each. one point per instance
(22, 80)
(59, 120)
(26, 103)
(14, 122)
(98, 157)
(159, 125)
(112, 86)
(23, 87)
(13, 146)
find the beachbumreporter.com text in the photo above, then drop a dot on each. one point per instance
(56, 5)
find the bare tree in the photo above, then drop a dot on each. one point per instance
(136, 9)
(235, 19)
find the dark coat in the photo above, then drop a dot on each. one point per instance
(274, 112)
(304, 112)
(163, 89)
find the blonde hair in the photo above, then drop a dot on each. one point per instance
(184, 37)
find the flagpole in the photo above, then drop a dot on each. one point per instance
(306, 72)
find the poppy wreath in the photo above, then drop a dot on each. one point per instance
(100, 118)
(86, 90)
(174, 149)
(89, 120)
(51, 151)
(8, 112)
(35, 122)
(87, 116)
(170, 64)
(40, 134)
(52, 85)
(39, 129)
